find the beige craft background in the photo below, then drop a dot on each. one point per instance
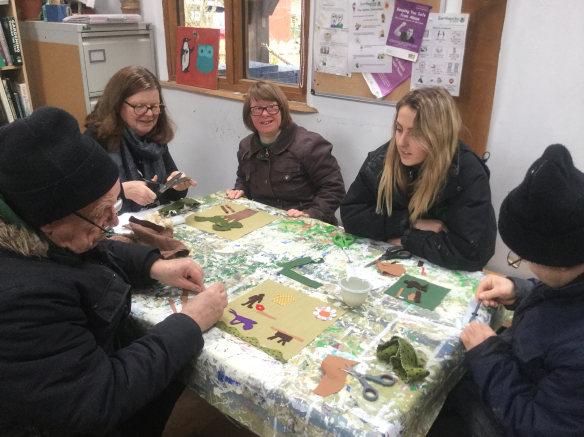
(250, 224)
(295, 318)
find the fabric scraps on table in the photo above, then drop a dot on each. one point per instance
(240, 224)
(432, 294)
(294, 320)
(334, 378)
(179, 207)
(219, 223)
(283, 299)
(325, 313)
(390, 269)
(288, 266)
(403, 359)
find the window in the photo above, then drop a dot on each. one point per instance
(260, 39)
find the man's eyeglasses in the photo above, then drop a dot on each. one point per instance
(259, 110)
(513, 259)
(143, 109)
(110, 220)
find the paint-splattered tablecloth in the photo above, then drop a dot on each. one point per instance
(275, 399)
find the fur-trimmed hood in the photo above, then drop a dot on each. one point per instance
(22, 241)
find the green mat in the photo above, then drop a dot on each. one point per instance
(429, 299)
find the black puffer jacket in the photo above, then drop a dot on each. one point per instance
(464, 206)
(61, 367)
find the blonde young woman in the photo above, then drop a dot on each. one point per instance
(425, 189)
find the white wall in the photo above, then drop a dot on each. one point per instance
(539, 100)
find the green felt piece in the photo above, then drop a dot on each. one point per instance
(403, 359)
(251, 340)
(219, 223)
(429, 299)
(179, 205)
(287, 271)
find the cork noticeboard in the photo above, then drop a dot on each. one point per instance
(477, 88)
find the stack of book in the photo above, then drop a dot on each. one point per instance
(14, 101)
(9, 43)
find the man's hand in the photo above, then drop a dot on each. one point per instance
(430, 225)
(138, 192)
(474, 334)
(395, 241)
(183, 185)
(296, 213)
(180, 273)
(495, 290)
(207, 307)
(234, 194)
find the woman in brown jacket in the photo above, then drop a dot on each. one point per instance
(284, 165)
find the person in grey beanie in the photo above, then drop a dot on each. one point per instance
(529, 381)
(65, 294)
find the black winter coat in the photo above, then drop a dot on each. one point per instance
(60, 365)
(463, 205)
(532, 375)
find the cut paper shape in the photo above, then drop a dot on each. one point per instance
(403, 359)
(219, 223)
(247, 323)
(418, 296)
(172, 305)
(240, 215)
(295, 320)
(249, 224)
(325, 313)
(423, 271)
(224, 209)
(399, 292)
(416, 284)
(283, 338)
(432, 297)
(253, 300)
(288, 266)
(184, 297)
(334, 378)
(389, 269)
(411, 297)
(259, 307)
(283, 299)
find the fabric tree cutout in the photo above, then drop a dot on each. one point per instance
(334, 378)
(219, 223)
(240, 215)
(432, 296)
(247, 323)
(254, 299)
(390, 269)
(403, 359)
(283, 336)
(283, 299)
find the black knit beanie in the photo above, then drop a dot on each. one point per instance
(48, 169)
(542, 220)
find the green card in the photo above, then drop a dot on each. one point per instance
(429, 299)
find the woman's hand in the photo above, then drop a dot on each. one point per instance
(234, 194)
(395, 241)
(296, 213)
(138, 192)
(183, 185)
(430, 225)
(495, 290)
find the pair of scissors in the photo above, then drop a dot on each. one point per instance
(392, 253)
(344, 242)
(369, 393)
(160, 189)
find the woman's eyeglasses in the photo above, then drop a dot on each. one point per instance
(513, 259)
(259, 110)
(143, 109)
(110, 221)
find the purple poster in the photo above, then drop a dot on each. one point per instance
(381, 84)
(407, 30)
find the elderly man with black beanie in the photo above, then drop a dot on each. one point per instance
(529, 381)
(65, 294)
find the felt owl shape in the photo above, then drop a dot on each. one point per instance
(205, 58)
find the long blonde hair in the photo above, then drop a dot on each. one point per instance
(436, 127)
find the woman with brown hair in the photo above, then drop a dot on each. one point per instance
(282, 164)
(131, 123)
(425, 189)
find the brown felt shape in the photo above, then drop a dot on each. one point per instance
(388, 269)
(418, 296)
(334, 378)
(240, 215)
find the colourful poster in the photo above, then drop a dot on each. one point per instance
(407, 30)
(381, 84)
(198, 56)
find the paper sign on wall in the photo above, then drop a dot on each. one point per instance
(407, 29)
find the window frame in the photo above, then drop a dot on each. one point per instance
(234, 81)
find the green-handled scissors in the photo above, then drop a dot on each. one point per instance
(344, 242)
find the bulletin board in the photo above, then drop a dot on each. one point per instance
(477, 89)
